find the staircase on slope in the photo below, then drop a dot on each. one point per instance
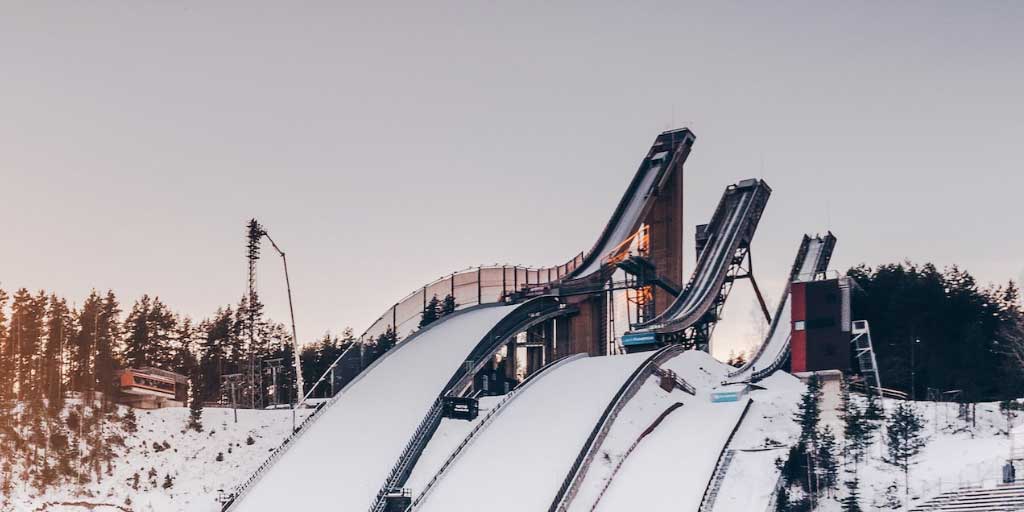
(1002, 498)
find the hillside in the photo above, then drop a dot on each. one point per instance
(161, 450)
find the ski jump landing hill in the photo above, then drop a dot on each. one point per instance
(533, 348)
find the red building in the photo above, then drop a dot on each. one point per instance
(821, 325)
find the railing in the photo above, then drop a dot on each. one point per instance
(629, 451)
(679, 381)
(521, 318)
(573, 479)
(721, 468)
(299, 431)
(774, 498)
(483, 424)
(242, 489)
(780, 360)
(429, 423)
(714, 483)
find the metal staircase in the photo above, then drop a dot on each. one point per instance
(865, 354)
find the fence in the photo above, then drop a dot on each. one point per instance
(469, 287)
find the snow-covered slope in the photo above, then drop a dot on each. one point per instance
(347, 454)
(518, 462)
(763, 437)
(190, 460)
(698, 369)
(670, 468)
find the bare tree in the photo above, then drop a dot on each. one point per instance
(1011, 336)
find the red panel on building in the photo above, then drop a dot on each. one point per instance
(798, 339)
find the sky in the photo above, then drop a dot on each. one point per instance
(383, 145)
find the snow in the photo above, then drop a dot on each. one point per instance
(190, 461)
(534, 441)
(450, 433)
(345, 457)
(710, 267)
(763, 437)
(670, 468)
(641, 411)
(956, 453)
(778, 339)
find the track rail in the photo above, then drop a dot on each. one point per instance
(242, 489)
(707, 501)
(523, 317)
(578, 470)
(818, 248)
(493, 413)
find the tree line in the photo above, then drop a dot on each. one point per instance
(939, 330)
(49, 348)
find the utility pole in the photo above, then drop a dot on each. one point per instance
(231, 380)
(299, 385)
(274, 365)
(913, 369)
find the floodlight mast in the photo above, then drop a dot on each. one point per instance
(295, 339)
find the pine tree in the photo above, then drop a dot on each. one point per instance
(195, 400)
(27, 318)
(828, 463)
(215, 346)
(130, 421)
(107, 336)
(448, 305)
(58, 332)
(851, 503)
(905, 440)
(387, 340)
(137, 340)
(809, 412)
(431, 312)
(7, 353)
(874, 410)
(856, 434)
(83, 344)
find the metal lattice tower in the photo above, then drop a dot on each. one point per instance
(255, 234)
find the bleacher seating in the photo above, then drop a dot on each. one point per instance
(1001, 498)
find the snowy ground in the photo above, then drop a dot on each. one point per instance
(670, 468)
(518, 462)
(957, 454)
(190, 461)
(346, 455)
(450, 433)
(751, 477)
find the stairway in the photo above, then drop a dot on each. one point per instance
(1002, 498)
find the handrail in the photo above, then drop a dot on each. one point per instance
(779, 483)
(826, 246)
(242, 489)
(798, 263)
(521, 318)
(711, 490)
(573, 479)
(486, 421)
(744, 205)
(629, 451)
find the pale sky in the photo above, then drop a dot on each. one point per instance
(385, 145)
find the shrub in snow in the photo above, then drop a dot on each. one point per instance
(220, 457)
(250, 441)
(168, 481)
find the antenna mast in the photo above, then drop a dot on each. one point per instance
(255, 234)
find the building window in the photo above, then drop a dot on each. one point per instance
(798, 325)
